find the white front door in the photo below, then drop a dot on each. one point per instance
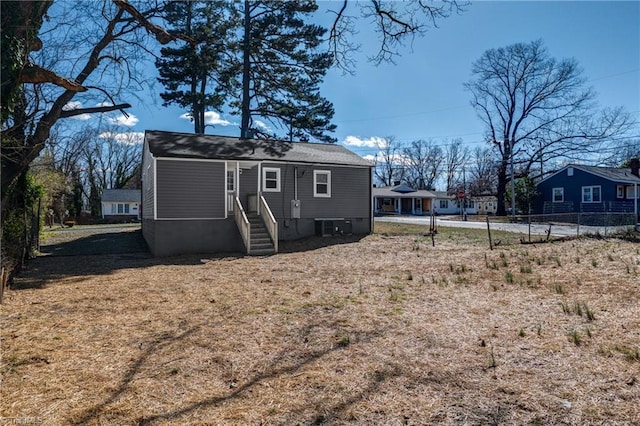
(232, 181)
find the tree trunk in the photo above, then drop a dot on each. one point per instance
(502, 187)
(244, 127)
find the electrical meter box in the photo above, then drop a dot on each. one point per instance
(295, 209)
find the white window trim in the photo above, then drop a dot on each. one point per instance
(553, 195)
(316, 173)
(591, 188)
(264, 179)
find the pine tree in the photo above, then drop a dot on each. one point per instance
(195, 75)
(282, 69)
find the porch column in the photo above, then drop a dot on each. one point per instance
(413, 205)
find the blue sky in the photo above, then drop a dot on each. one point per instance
(422, 95)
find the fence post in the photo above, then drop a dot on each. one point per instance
(2, 282)
(578, 232)
(489, 232)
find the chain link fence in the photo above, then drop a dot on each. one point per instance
(521, 229)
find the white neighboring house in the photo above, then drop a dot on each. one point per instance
(121, 204)
(447, 204)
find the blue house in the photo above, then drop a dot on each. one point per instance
(590, 189)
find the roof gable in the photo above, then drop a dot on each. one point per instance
(186, 145)
(403, 189)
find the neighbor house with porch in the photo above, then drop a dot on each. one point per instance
(208, 194)
(402, 199)
(590, 189)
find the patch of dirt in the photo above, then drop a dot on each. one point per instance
(382, 330)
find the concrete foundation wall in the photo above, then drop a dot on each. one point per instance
(175, 237)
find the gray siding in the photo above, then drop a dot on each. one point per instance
(350, 199)
(147, 184)
(190, 189)
(350, 193)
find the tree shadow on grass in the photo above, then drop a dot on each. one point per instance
(101, 243)
(314, 243)
(288, 361)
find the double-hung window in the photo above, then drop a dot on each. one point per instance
(119, 208)
(591, 194)
(444, 204)
(270, 179)
(558, 195)
(322, 183)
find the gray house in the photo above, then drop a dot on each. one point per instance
(207, 194)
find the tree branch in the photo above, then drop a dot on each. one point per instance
(33, 73)
(160, 33)
(106, 108)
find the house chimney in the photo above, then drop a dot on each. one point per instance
(635, 166)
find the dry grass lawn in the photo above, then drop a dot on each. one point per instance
(382, 330)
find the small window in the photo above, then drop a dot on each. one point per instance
(591, 194)
(321, 183)
(120, 208)
(570, 171)
(444, 204)
(270, 179)
(558, 195)
(620, 191)
(126, 208)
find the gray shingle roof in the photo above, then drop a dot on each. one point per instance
(611, 173)
(390, 192)
(187, 145)
(121, 195)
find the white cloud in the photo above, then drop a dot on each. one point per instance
(70, 106)
(394, 158)
(128, 138)
(101, 104)
(130, 120)
(372, 142)
(210, 118)
(82, 117)
(261, 124)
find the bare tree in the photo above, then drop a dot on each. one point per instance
(95, 58)
(537, 108)
(423, 164)
(388, 167)
(455, 157)
(482, 172)
(396, 23)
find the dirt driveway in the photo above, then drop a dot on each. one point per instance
(93, 239)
